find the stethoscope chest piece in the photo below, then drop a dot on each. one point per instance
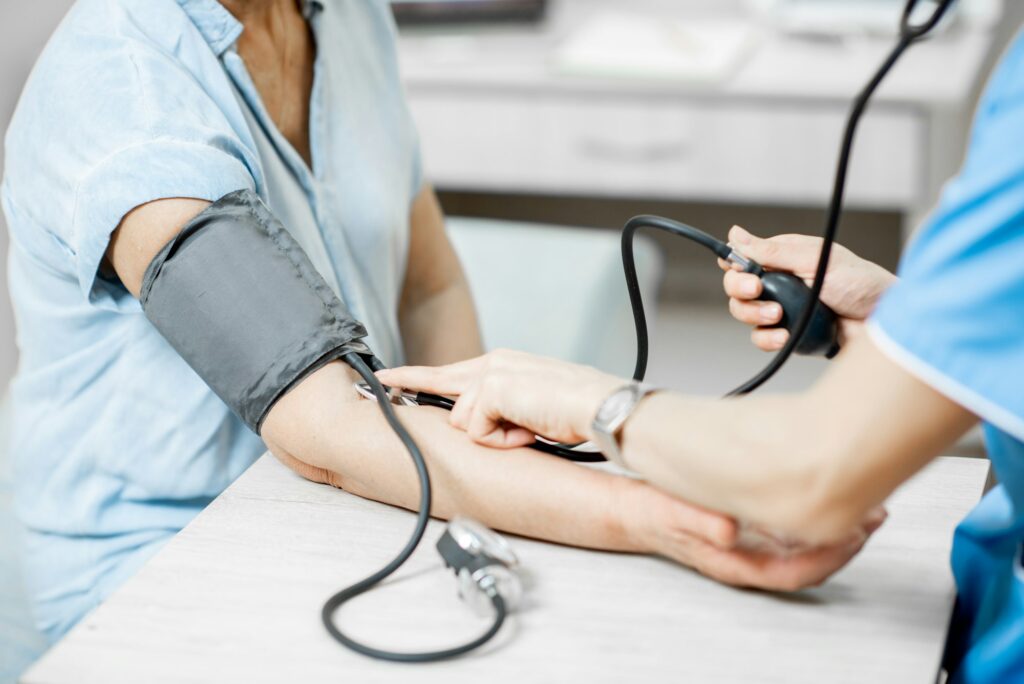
(484, 564)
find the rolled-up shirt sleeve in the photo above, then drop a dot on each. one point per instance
(142, 173)
(956, 318)
(127, 125)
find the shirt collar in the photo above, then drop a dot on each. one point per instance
(311, 8)
(220, 28)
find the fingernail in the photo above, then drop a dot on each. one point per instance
(780, 336)
(749, 287)
(770, 313)
(739, 235)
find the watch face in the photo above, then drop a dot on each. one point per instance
(616, 405)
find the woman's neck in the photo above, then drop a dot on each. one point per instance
(258, 11)
(278, 50)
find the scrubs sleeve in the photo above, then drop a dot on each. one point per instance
(956, 318)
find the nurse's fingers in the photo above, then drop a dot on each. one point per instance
(755, 313)
(742, 285)
(487, 427)
(673, 527)
(463, 410)
(451, 380)
(876, 517)
(773, 571)
(769, 339)
(793, 253)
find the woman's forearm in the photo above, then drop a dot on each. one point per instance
(443, 328)
(345, 441)
(436, 312)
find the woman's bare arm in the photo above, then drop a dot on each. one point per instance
(325, 432)
(322, 430)
(143, 233)
(327, 436)
(436, 313)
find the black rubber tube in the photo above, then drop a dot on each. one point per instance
(722, 250)
(632, 281)
(335, 602)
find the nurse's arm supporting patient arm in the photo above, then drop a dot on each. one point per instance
(325, 433)
(436, 314)
(810, 467)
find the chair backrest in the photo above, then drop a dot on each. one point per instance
(554, 290)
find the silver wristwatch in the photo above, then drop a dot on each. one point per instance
(613, 414)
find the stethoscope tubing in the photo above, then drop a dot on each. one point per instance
(575, 454)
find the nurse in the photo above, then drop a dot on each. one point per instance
(926, 357)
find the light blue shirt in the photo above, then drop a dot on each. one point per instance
(956, 320)
(117, 443)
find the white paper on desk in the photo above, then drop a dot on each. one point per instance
(839, 18)
(650, 47)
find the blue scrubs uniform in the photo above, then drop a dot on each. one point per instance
(956, 321)
(117, 443)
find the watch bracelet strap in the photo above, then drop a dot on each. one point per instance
(614, 454)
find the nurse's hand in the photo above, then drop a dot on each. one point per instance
(852, 289)
(505, 398)
(699, 539)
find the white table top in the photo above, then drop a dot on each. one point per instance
(236, 598)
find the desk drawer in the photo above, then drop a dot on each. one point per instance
(755, 152)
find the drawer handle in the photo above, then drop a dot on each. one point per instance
(624, 153)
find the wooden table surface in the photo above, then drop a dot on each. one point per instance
(236, 597)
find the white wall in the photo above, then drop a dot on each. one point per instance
(24, 28)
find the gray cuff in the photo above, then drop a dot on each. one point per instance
(239, 300)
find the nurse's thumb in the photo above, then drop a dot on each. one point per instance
(794, 253)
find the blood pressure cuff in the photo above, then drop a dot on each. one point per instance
(239, 300)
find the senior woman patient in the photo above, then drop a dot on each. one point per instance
(925, 357)
(138, 115)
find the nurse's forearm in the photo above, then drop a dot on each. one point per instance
(326, 434)
(809, 465)
(758, 458)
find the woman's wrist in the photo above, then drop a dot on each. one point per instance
(648, 520)
(625, 523)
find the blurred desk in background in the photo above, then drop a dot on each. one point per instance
(497, 114)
